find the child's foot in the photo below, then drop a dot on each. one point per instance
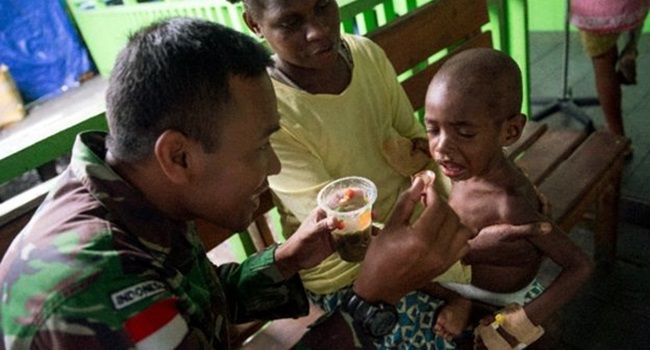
(453, 318)
(627, 68)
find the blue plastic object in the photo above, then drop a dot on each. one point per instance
(41, 47)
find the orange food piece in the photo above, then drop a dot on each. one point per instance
(348, 194)
(365, 220)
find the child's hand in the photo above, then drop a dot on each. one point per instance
(421, 145)
(428, 177)
(509, 328)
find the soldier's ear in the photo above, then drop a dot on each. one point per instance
(173, 152)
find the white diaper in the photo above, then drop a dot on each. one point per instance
(492, 298)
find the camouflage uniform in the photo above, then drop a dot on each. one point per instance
(99, 267)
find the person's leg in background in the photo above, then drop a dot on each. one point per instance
(608, 87)
(627, 61)
(603, 51)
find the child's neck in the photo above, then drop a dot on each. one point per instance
(501, 173)
(478, 200)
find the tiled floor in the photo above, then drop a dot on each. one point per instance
(613, 310)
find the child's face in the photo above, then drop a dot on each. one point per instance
(464, 138)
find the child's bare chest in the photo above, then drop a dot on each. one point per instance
(476, 209)
(479, 206)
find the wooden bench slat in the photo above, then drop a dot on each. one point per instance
(569, 207)
(351, 9)
(594, 172)
(16, 212)
(261, 233)
(413, 38)
(593, 160)
(607, 209)
(552, 147)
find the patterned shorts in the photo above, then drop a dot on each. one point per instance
(417, 316)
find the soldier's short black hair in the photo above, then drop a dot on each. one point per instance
(171, 75)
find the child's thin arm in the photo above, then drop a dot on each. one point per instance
(435, 289)
(576, 269)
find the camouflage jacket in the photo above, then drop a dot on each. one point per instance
(98, 267)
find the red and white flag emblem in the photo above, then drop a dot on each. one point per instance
(158, 327)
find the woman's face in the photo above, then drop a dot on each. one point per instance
(303, 33)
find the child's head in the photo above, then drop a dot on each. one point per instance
(303, 33)
(472, 111)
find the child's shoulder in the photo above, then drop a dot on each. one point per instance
(522, 203)
(514, 200)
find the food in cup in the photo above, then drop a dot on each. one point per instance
(350, 201)
(352, 245)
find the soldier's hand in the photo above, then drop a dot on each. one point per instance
(405, 256)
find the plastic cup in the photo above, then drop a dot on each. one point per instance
(350, 200)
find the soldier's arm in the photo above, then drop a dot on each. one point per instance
(256, 289)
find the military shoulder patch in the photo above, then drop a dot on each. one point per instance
(133, 294)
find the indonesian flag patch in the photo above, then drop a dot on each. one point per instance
(158, 327)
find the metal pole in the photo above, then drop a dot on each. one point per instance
(565, 68)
